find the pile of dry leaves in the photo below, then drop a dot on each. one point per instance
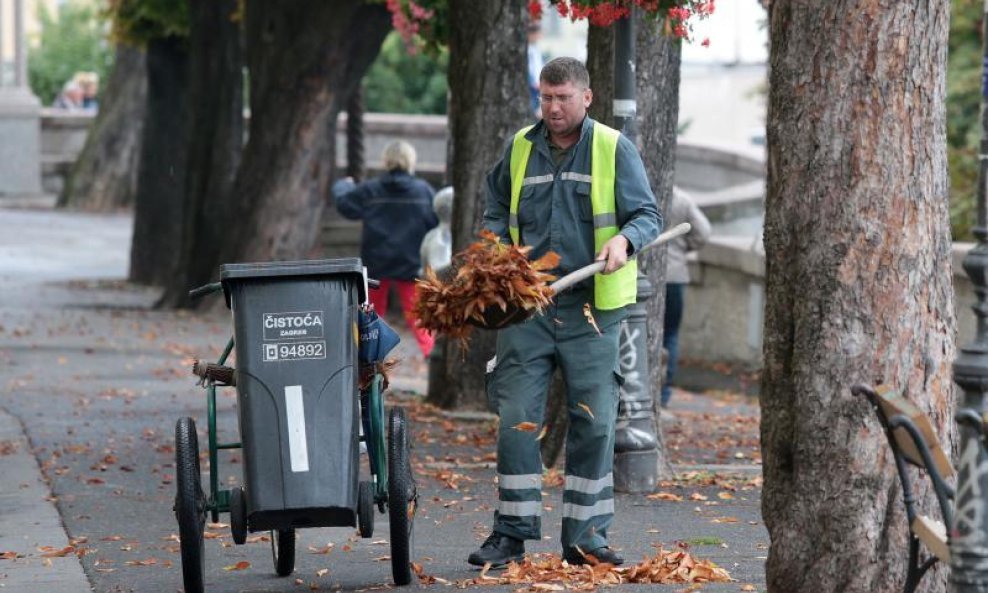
(489, 274)
(549, 572)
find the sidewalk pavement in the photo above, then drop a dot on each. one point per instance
(97, 379)
(30, 522)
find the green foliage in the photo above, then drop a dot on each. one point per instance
(399, 82)
(71, 41)
(963, 105)
(140, 21)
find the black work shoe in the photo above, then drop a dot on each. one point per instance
(498, 550)
(604, 555)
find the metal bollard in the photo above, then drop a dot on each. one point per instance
(969, 533)
(636, 452)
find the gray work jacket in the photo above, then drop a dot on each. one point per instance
(554, 210)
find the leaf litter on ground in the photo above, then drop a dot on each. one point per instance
(549, 572)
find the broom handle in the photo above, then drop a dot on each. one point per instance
(585, 272)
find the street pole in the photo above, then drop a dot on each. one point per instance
(636, 452)
(969, 533)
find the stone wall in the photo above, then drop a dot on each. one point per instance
(724, 314)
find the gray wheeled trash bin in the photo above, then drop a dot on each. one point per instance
(295, 329)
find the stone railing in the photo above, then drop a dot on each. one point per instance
(724, 314)
(720, 177)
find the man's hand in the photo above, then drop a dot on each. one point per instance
(615, 253)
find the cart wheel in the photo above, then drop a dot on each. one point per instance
(365, 509)
(190, 504)
(238, 515)
(401, 497)
(283, 551)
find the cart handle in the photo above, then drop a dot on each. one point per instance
(202, 291)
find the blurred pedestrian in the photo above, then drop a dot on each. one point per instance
(89, 82)
(534, 65)
(681, 209)
(397, 212)
(70, 98)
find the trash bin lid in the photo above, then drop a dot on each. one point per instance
(230, 273)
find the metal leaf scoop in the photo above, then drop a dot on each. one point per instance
(495, 318)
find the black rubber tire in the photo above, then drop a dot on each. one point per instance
(401, 497)
(190, 504)
(283, 551)
(238, 515)
(365, 509)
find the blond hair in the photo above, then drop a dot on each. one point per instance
(399, 155)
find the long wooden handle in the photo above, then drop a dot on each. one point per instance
(585, 272)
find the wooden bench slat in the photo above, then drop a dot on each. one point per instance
(893, 404)
(933, 534)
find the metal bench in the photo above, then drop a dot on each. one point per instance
(914, 442)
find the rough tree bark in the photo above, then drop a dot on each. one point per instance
(305, 59)
(356, 164)
(158, 211)
(210, 207)
(104, 177)
(858, 282)
(488, 103)
(600, 65)
(658, 60)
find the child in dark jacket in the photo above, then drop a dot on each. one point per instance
(397, 212)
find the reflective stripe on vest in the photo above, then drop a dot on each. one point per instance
(614, 290)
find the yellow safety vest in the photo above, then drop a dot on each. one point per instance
(611, 291)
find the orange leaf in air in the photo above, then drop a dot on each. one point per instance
(588, 313)
(526, 426)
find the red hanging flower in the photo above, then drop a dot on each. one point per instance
(535, 10)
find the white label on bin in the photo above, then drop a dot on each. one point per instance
(300, 325)
(293, 351)
(295, 413)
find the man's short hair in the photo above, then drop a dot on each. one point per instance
(563, 70)
(399, 155)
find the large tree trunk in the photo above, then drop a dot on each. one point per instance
(104, 177)
(159, 208)
(858, 282)
(488, 103)
(211, 208)
(305, 59)
(600, 65)
(657, 86)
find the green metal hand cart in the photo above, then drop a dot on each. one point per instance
(300, 410)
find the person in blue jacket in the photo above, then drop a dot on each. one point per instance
(576, 187)
(397, 212)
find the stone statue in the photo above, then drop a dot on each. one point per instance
(437, 245)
